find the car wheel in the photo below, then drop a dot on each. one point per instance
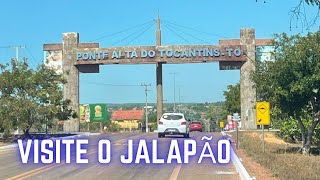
(160, 135)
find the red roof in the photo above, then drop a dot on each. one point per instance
(127, 115)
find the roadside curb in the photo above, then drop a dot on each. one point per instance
(11, 146)
(243, 173)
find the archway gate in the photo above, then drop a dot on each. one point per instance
(230, 53)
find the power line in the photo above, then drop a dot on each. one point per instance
(176, 34)
(217, 35)
(32, 57)
(114, 85)
(188, 33)
(15, 47)
(140, 34)
(124, 30)
(127, 37)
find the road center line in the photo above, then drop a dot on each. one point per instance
(51, 166)
(42, 169)
(175, 172)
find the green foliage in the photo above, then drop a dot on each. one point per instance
(31, 98)
(154, 126)
(152, 117)
(232, 99)
(290, 131)
(291, 83)
(216, 113)
(112, 126)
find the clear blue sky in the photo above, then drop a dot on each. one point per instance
(33, 23)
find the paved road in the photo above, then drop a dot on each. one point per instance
(12, 168)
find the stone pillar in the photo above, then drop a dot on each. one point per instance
(247, 91)
(159, 92)
(71, 73)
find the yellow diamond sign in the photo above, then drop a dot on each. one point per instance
(263, 113)
(221, 124)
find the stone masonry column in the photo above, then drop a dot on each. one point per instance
(247, 91)
(71, 73)
(159, 91)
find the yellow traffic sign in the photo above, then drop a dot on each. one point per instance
(263, 113)
(221, 124)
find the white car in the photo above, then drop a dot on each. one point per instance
(172, 124)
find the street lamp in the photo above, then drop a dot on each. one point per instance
(179, 87)
(146, 112)
(46, 118)
(174, 91)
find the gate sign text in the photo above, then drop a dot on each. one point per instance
(153, 54)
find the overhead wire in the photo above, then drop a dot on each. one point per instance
(114, 85)
(176, 34)
(121, 31)
(146, 29)
(32, 57)
(130, 35)
(187, 33)
(217, 35)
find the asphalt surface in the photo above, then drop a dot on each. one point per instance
(12, 168)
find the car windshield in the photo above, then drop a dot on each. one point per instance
(195, 123)
(172, 117)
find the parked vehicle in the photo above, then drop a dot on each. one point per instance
(173, 124)
(196, 126)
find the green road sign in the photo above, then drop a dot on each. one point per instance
(98, 112)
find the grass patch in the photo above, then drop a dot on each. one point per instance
(281, 158)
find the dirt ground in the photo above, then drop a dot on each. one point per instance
(255, 169)
(3, 144)
(280, 160)
(268, 137)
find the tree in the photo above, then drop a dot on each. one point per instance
(312, 2)
(232, 98)
(31, 98)
(291, 82)
(299, 15)
(216, 113)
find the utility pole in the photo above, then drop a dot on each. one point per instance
(146, 112)
(17, 51)
(180, 105)
(179, 96)
(15, 47)
(174, 91)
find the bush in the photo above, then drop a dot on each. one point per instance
(154, 126)
(290, 131)
(113, 127)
